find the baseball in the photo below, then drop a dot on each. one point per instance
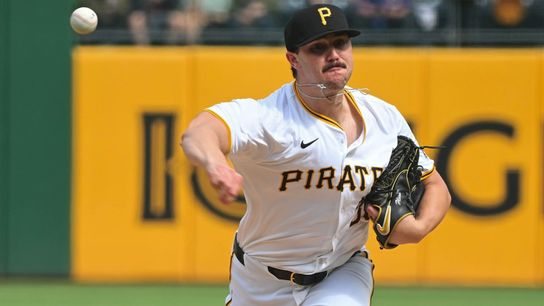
(83, 20)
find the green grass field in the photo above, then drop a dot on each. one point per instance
(55, 293)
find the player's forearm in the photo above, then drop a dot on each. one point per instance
(206, 144)
(431, 211)
(434, 205)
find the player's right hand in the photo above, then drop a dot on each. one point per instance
(226, 181)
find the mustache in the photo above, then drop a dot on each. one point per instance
(334, 65)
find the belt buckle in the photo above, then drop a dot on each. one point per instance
(292, 278)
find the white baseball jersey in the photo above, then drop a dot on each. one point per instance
(302, 181)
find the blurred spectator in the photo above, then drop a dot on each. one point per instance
(149, 19)
(245, 24)
(244, 14)
(343, 4)
(290, 5)
(396, 12)
(285, 8)
(112, 13)
(380, 14)
(187, 22)
(216, 11)
(251, 14)
(505, 14)
(261, 21)
(428, 14)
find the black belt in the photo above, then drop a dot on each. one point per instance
(299, 279)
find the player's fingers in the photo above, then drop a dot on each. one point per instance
(223, 192)
(230, 188)
(222, 176)
(228, 194)
(216, 183)
(216, 179)
(225, 180)
(235, 188)
(226, 198)
(372, 212)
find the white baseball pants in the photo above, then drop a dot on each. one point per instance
(251, 284)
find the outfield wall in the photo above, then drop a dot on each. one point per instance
(141, 212)
(35, 137)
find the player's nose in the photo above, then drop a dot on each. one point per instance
(333, 55)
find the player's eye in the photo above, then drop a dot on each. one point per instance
(318, 48)
(341, 43)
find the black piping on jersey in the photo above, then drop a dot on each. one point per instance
(326, 118)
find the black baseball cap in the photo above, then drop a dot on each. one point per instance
(313, 22)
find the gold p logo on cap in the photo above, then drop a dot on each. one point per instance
(324, 12)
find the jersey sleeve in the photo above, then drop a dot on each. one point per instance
(242, 119)
(424, 161)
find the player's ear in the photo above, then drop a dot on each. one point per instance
(292, 59)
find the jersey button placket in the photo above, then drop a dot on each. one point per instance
(345, 202)
(342, 140)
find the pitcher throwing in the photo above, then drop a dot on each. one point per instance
(305, 156)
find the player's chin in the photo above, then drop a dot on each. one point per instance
(336, 83)
(337, 77)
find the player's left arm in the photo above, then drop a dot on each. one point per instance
(433, 205)
(432, 209)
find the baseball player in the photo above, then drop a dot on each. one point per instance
(305, 156)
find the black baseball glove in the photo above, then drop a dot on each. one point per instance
(398, 190)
